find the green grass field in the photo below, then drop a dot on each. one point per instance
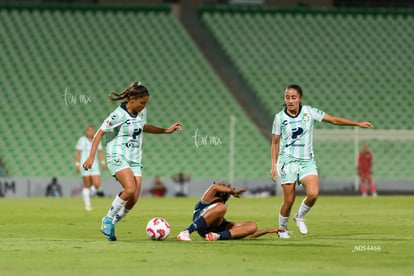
(348, 236)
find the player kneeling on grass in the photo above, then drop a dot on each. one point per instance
(209, 221)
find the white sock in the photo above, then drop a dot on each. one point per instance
(92, 191)
(283, 222)
(120, 215)
(116, 205)
(303, 210)
(86, 197)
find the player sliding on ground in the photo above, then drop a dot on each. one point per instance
(209, 221)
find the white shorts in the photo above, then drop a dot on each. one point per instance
(92, 171)
(117, 163)
(293, 170)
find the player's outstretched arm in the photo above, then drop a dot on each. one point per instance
(345, 122)
(259, 233)
(210, 194)
(157, 130)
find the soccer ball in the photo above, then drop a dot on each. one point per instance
(158, 229)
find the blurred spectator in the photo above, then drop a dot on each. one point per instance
(4, 172)
(54, 189)
(158, 189)
(181, 186)
(265, 191)
(365, 162)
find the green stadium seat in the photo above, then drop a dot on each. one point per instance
(333, 56)
(49, 50)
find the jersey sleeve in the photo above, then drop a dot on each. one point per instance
(144, 115)
(79, 145)
(112, 121)
(276, 129)
(316, 114)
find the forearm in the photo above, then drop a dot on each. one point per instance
(275, 153)
(339, 121)
(226, 189)
(222, 189)
(95, 143)
(154, 129)
(77, 158)
(262, 232)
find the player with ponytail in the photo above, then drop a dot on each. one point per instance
(124, 129)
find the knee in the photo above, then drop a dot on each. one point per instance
(220, 209)
(288, 200)
(249, 228)
(311, 199)
(312, 196)
(252, 227)
(128, 192)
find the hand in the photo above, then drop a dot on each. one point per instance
(174, 127)
(78, 168)
(275, 230)
(88, 163)
(238, 192)
(365, 125)
(273, 174)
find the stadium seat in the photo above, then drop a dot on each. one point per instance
(350, 65)
(88, 52)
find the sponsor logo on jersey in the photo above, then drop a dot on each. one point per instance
(296, 132)
(132, 144)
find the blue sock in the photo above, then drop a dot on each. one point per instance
(197, 225)
(225, 235)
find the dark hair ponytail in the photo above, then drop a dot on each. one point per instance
(136, 90)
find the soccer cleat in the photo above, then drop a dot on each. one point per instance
(112, 236)
(283, 235)
(300, 223)
(184, 236)
(212, 236)
(88, 208)
(107, 228)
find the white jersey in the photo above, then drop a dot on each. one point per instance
(84, 146)
(124, 133)
(296, 133)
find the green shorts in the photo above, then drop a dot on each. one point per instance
(291, 170)
(117, 163)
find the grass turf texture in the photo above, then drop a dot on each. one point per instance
(347, 236)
